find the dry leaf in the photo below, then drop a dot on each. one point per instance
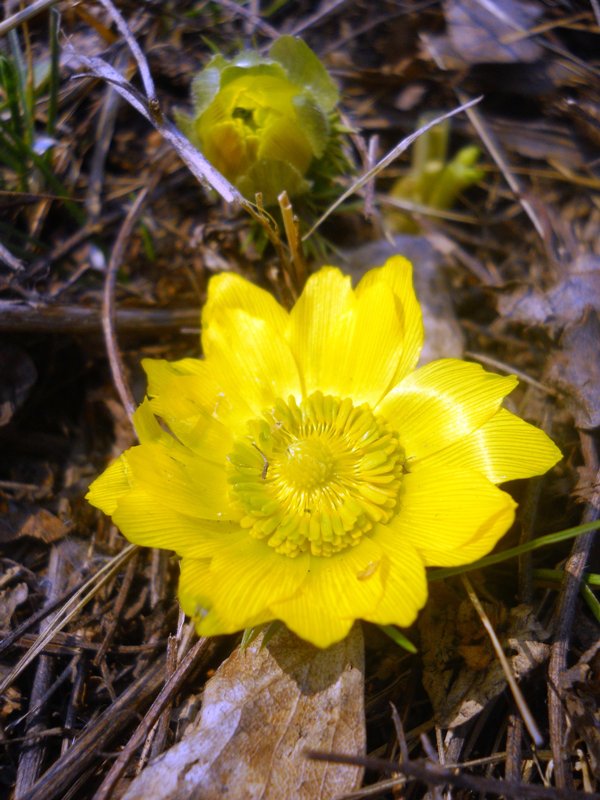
(562, 304)
(19, 520)
(581, 692)
(460, 670)
(9, 600)
(262, 710)
(575, 369)
(481, 33)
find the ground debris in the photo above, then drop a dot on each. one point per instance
(263, 708)
(461, 673)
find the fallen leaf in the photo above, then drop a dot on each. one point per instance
(264, 707)
(461, 672)
(575, 369)
(39, 523)
(9, 600)
(581, 692)
(480, 33)
(562, 304)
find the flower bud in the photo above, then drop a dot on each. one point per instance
(264, 122)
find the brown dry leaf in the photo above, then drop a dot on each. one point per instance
(262, 710)
(562, 304)
(575, 369)
(19, 521)
(581, 685)
(588, 486)
(480, 33)
(461, 673)
(9, 600)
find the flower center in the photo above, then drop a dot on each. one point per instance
(315, 476)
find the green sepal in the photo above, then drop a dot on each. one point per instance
(315, 124)
(304, 69)
(271, 178)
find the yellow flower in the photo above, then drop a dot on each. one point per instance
(262, 121)
(306, 471)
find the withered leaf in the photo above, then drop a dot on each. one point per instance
(9, 600)
(39, 523)
(481, 33)
(580, 690)
(262, 710)
(575, 369)
(461, 673)
(562, 304)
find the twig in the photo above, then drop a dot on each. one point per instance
(510, 370)
(494, 150)
(72, 607)
(103, 135)
(251, 16)
(118, 607)
(108, 304)
(31, 760)
(200, 168)
(24, 15)
(320, 14)
(436, 775)
(136, 50)
(99, 732)
(16, 316)
(6, 257)
(574, 570)
(290, 224)
(105, 792)
(514, 686)
(387, 160)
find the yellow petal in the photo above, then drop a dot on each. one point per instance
(106, 491)
(405, 584)
(321, 323)
(249, 578)
(197, 586)
(338, 590)
(316, 624)
(182, 481)
(147, 522)
(147, 426)
(284, 140)
(368, 360)
(255, 365)
(229, 291)
(443, 510)
(185, 394)
(503, 449)
(396, 273)
(442, 402)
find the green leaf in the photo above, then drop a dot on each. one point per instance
(399, 638)
(304, 69)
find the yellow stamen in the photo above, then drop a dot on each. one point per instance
(316, 476)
